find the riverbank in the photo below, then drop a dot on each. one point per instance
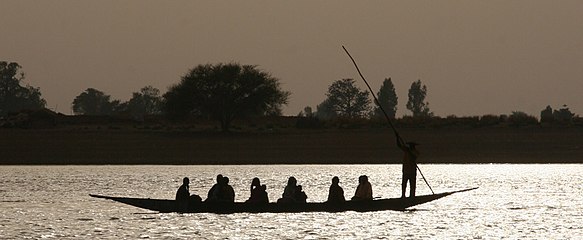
(292, 146)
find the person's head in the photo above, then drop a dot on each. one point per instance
(299, 188)
(255, 182)
(185, 181)
(335, 180)
(225, 180)
(263, 187)
(292, 181)
(362, 179)
(219, 178)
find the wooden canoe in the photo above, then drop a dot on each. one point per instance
(167, 205)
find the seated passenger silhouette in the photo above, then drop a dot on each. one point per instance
(336, 193)
(229, 193)
(289, 192)
(214, 189)
(263, 197)
(258, 192)
(300, 196)
(184, 198)
(364, 189)
(255, 183)
(183, 192)
(222, 191)
(293, 193)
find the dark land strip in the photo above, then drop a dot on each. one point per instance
(330, 146)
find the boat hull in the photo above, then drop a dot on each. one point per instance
(166, 205)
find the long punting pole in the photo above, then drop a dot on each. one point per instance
(384, 112)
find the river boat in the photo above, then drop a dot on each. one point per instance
(167, 205)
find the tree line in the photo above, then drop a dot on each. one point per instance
(345, 100)
(222, 92)
(227, 91)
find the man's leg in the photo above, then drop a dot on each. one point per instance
(403, 186)
(413, 183)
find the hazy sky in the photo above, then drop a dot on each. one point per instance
(476, 57)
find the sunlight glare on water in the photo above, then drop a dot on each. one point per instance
(515, 201)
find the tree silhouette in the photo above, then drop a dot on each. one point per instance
(519, 118)
(225, 92)
(145, 102)
(13, 96)
(417, 104)
(563, 115)
(347, 100)
(387, 99)
(325, 110)
(546, 115)
(94, 102)
(307, 112)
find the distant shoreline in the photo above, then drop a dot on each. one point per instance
(288, 146)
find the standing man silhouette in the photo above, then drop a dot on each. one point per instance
(409, 165)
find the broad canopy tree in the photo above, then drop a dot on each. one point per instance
(346, 99)
(94, 102)
(13, 96)
(145, 102)
(225, 92)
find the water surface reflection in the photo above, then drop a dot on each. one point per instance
(516, 201)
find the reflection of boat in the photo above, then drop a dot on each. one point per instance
(165, 205)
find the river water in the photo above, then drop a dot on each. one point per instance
(513, 201)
